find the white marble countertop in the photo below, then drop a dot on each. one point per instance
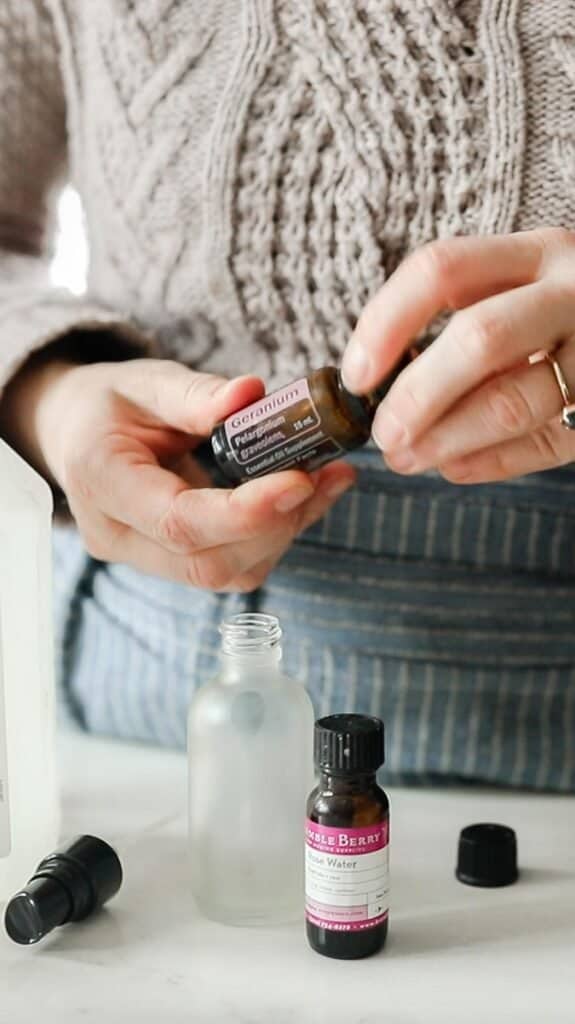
(455, 954)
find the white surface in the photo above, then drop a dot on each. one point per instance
(29, 808)
(455, 954)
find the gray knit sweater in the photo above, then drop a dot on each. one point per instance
(251, 170)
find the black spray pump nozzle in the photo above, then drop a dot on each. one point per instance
(69, 885)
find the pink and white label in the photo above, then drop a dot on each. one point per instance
(283, 429)
(347, 876)
(273, 405)
(347, 840)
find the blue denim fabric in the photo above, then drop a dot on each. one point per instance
(448, 611)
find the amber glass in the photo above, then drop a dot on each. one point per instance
(344, 418)
(341, 801)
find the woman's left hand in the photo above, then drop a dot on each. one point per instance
(472, 404)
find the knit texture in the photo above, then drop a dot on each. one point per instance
(251, 172)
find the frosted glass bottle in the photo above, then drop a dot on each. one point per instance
(251, 762)
(29, 812)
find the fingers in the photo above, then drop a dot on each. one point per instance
(478, 342)
(332, 482)
(189, 469)
(224, 567)
(215, 568)
(511, 405)
(181, 398)
(444, 275)
(124, 482)
(547, 448)
(244, 567)
(212, 569)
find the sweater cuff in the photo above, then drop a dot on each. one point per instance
(30, 328)
(66, 329)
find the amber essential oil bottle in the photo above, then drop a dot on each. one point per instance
(347, 840)
(303, 425)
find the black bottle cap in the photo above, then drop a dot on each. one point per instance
(349, 743)
(487, 856)
(69, 885)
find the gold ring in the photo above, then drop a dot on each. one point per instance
(568, 411)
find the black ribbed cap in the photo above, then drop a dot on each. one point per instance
(487, 855)
(69, 885)
(349, 743)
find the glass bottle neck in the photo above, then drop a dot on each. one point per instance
(345, 784)
(250, 643)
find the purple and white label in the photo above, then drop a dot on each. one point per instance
(282, 429)
(347, 876)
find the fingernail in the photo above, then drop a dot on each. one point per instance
(291, 499)
(388, 432)
(337, 489)
(355, 366)
(402, 461)
(457, 471)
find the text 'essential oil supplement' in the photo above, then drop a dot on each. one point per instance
(347, 840)
(303, 425)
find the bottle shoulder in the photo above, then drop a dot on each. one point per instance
(269, 678)
(351, 810)
(276, 700)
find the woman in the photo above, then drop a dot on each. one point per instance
(263, 181)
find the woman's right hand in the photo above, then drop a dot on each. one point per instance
(118, 439)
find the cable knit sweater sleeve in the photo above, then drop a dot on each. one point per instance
(32, 172)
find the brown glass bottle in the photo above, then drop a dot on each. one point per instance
(305, 424)
(347, 840)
